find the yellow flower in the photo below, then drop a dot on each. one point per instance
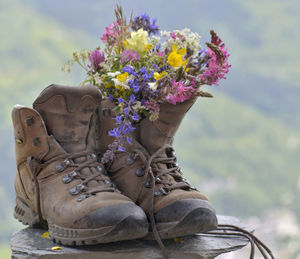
(175, 58)
(138, 41)
(45, 235)
(158, 76)
(122, 77)
(56, 248)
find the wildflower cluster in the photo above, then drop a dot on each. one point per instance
(141, 67)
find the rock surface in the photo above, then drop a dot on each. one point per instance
(29, 244)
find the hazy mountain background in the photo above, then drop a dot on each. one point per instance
(241, 148)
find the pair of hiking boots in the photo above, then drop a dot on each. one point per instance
(60, 183)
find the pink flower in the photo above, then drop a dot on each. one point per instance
(173, 35)
(96, 57)
(129, 55)
(111, 34)
(180, 92)
(218, 64)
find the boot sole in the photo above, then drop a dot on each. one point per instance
(127, 229)
(199, 220)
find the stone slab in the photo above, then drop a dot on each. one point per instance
(28, 244)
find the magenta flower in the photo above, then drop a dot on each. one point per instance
(129, 55)
(180, 92)
(96, 57)
(111, 34)
(218, 64)
(173, 35)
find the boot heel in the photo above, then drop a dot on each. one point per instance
(25, 214)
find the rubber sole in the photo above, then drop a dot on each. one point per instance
(127, 229)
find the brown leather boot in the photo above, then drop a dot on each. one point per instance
(148, 174)
(59, 181)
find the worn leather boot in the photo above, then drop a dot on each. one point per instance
(149, 175)
(59, 182)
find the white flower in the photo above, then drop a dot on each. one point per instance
(165, 33)
(137, 106)
(121, 84)
(153, 86)
(111, 74)
(98, 79)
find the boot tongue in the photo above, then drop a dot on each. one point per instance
(67, 113)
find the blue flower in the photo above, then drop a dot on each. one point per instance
(122, 149)
(120, 100)
(126, 110)
(119, 119)
(144, 70)
(114, 133)
(129, 140)
(143, 21)
(136, 88)
(135, 117)
(132, 98)
(129, 70)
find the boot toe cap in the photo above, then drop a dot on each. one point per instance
(185, 217)
(123, 221)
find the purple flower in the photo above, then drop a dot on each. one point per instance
(143, 21)
(136, 88)
(122, 149)
(119, 119)
(120, 100)
(129, 55)
(96, 57)
(132, 98)
(135, 117)
(129, 140)
(129, 70)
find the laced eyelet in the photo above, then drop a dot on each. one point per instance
(129, 160)
(60, 167)
(93, 156)
(148, 184)
(100, 168)
(82, 197)
(76, 189)
(69, 177)
(140, 172)
(160, 192)
(107, 181)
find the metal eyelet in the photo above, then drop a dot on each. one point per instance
(60, 167)
(148, 184)
(129, 160)
(76, 189)
(100, 168)
(69, 177)
(140, 172)
(93, 156)
(157, 180)
(107, 181)
(160, 192)
(82, 197)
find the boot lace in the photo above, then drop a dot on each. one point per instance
(99, 175)
(164, 176)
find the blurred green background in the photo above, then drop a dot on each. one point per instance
(241, 148)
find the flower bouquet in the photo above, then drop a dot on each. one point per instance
(141, 67)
